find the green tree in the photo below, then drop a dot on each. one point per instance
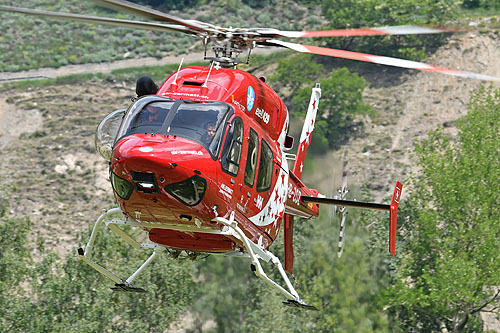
(341, 100)
(55, 295)
(486, 4)
(15, 257)
(344, 290)
(360, 14)
(450, 264)
(296, 71)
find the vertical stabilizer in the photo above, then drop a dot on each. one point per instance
(307, 130)
(396, 196)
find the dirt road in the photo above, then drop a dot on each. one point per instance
(107, 67)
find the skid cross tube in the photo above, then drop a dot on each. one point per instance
(120, 284)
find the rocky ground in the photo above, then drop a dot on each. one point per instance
(54, 176)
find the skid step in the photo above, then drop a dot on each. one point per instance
(296, 304)
(124, 287)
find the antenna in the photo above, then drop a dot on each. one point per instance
(176, 74)
(209, 71)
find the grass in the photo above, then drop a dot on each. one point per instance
(157, 73)
(130, 74)
(30, 42)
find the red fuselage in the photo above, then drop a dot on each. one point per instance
(167, 171)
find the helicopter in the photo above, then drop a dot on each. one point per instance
(200, 163)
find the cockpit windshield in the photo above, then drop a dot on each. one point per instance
(198, 121)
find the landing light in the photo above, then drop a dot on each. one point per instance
(145, 182)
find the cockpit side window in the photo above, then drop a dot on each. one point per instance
(264, 177)
(231, 153)
(253, 152)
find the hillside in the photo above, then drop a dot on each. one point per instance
(79, 43)
(56, 179)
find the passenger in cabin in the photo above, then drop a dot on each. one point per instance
(207, 138)
(145, 86)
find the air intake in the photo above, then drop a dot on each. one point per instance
(192, 83)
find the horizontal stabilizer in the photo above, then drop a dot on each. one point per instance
(346, 203)
(392, 208)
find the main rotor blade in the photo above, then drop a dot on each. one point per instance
(125, 6)
(389, 30)
(98, 19)
(389, 61)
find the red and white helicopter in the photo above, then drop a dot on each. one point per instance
(201, 163)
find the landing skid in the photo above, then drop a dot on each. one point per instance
(230, 227)
(256, 253)
(124, 287)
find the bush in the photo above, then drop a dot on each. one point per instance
(359, 14)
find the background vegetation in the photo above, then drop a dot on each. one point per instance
(54, 295)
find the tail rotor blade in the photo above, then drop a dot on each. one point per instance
(342, 211)
(344, 174)
(342, 215)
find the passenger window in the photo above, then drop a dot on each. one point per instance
(253, 151)
(231, 153)
(265, 168)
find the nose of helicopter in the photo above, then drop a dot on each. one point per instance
(162, 178)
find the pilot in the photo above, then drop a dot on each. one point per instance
(151, 114)
(207, 138)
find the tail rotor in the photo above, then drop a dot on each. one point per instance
(342, 211)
